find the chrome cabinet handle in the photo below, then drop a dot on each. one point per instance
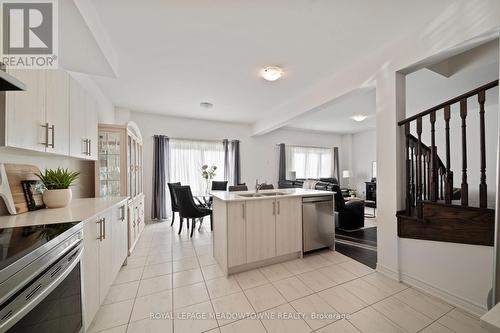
(46, 143)
(243, 210)
(122, 209)
(278, 207)
(274, 208)
(90, 147)
(99, 222)
(104, 228)
(53, 129)
(86, 142)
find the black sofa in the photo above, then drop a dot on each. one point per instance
(351, 214)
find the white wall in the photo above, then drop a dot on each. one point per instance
(364, 152)
(259, 155)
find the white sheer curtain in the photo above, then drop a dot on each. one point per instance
(187, 157)
(309, 162)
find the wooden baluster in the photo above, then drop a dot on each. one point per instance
(482, 185)
(448, 189)
(408, 171)
(424, 178)
(433, 160)
(412, 154)
(419, 167)
(441, 183)
(465, 186)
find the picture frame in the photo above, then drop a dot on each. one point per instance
(33, 191)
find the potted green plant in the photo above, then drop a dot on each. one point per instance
(57, 183)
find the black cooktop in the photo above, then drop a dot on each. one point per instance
(17, 242)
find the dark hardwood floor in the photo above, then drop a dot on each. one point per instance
(361, 254)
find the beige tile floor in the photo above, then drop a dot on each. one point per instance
(176, 279)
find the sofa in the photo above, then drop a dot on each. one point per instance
(350, 214)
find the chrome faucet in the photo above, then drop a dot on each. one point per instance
(258, 186)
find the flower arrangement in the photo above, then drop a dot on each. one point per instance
(208, 173)
(57, 179)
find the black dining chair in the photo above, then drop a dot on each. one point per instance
(188, 208)
(234, 188)
(219, 185)
(266, 187)
(173, 202)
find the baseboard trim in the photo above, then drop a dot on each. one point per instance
(460, 302)
(388, 272)
(432, 290)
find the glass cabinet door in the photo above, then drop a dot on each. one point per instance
(109, 164)
(133, 153)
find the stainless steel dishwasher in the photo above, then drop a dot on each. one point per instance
(318, 223)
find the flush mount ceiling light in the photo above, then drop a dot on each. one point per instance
(271, 73)
(359, 117)
(206, 105)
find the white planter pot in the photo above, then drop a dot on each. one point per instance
(57, 198)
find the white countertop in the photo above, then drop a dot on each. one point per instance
(491, 319)
(289, 192)
(77, 210)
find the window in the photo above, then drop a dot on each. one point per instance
(187, 157)
(309, 162)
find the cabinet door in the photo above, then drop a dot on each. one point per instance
(261, 229)
(131, 226)
(236, 234)
(91, 121)
(58, 110)
(288, 225)
(26, 111)
(77, 130)
(90, 270)
(120, 247)
(106, 274)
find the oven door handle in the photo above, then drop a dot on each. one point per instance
(39, 295)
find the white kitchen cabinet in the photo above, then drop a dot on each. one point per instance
(91, 121)
(90, 269)
(136, 221)
(288, 225)
(260, 229)
(120, 241)
(105, 251)
(106, 269)
(236, 230)
(57, 115)
(25, 112)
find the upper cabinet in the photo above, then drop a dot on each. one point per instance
(55, 115)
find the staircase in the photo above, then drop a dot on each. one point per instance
(434, 209)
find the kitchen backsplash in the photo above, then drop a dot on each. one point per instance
(84, 187)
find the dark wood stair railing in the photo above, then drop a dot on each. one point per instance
(432, 211)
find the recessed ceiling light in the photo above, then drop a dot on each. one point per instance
(206, 105)
(359, 117)
(271, 73)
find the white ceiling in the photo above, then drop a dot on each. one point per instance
(336, 116)
(175, 54)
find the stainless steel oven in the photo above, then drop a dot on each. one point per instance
(40, 285)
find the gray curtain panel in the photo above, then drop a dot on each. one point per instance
(161, 152)
(225, 147)
(235, 148)
(232, 163)
(282, 164)
(336, 166)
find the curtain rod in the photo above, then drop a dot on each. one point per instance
(307, 146)
(187, 139)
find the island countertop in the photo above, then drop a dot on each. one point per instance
(287, 192)
(77, 210)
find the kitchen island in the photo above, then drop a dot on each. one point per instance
(257, 229)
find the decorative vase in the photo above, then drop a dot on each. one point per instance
(207, 189)
(57, 198)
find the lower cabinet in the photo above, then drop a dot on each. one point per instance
(263, 229)
(105, 250)
(288, 225)
(135, 220)
(260, 229)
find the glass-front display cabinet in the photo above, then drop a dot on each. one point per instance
(119, 171)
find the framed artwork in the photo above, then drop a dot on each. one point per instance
(33, 190)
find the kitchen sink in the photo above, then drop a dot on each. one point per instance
(251, 195)
(263, 194)
(270, 194)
